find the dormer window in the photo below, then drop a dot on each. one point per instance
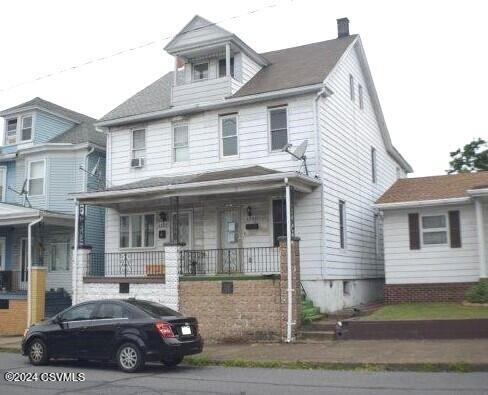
(200, 71)
(26, 132)
(222, 68)
(11, 132)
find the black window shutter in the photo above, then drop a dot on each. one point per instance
(414, 231)
(455, 229)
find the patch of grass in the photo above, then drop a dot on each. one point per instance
(427, 311)
(460, 367)
(478, 293)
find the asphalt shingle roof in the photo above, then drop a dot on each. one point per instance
(434, 187)
(289, 68)
(200, 177)
(81, 133)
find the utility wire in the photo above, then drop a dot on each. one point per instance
(145, 45)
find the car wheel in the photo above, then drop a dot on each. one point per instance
(172, 362)
(129, 358)
(38, 352)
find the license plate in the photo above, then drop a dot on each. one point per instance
(185, 330)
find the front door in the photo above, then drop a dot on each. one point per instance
(230, 254)
(183, 233)
(23, 264)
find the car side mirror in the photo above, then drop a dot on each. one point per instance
(58, 320)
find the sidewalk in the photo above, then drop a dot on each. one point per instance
(10, 342)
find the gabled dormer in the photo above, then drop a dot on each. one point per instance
(210, 63)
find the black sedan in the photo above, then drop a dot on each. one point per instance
(129, 331)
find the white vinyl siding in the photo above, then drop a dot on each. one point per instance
(36, 177)
(434, 263)
(229, 135)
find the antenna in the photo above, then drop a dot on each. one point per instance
(95, 172)
(298, 153)
(23, 192)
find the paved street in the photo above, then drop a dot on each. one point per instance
(217, 380)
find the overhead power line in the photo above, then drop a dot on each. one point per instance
(145, 45)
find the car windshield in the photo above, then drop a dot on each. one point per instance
(154, 309)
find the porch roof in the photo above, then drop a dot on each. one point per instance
(14, 214)
(249, 179)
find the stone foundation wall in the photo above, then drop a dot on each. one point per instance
(437, 292)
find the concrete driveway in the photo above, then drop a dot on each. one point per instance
(103, 379)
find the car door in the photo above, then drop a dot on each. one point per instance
(102, 333)
(63, 339)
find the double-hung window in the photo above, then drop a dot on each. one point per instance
(35, 176)
(137, 230)
(278, 127)
(342, 224)
(434, 229)
(59, 256)
(138, 143)
(200, 71)
(228, 131)
(26, 131)
(180, 143)
(222, 67)
(11, 131)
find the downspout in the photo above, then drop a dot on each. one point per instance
(29, 269)
(75, 252)
(289, 322)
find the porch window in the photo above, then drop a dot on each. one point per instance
(3, 182)
(200, 71)
(228, 127)
(434, 229)
(59, 256)
(136, 230)
(222, 68)
(180, 143)
(279, 220)
(138, 143)
(278, 126)
(26, 132)
(342, 223)
(11, 131)
(36, 178)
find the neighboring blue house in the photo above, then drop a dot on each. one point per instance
(48, 152)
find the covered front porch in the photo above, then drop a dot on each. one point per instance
(225, 223)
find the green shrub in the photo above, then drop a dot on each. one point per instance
(478, 293)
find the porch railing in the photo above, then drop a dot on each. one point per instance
(126, 264)
(13, 281)
(253, 260)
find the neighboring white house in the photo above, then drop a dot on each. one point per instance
(202, 147)
(435, 236)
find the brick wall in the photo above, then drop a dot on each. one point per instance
(13, 320)
(437, 292)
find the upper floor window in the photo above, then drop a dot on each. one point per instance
(138, 143)
(35, 176)
(342, 224)
(434, 229)
(3, 182)
(137, 230)
(278, 127)
(222, 68)
(200, 71)
(26, 131)
(373, 165)
(228, 130)
(352, 90)
(181, 150)
(361, 98)
(11, 131)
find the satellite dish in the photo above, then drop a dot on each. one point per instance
(299, 152)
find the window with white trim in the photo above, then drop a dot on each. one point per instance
(352, 91)
(11, 131)
(181, 150)
(278, 127)
(3, 182)
(36, 176)
(136, 230)
(138, 143)
(26, 131)
(200, 71)
(434, 229)
(59, 256)
(228, 133)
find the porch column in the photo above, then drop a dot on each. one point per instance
(171, 263)
(227, 59)
(80, 264)
(480, 225)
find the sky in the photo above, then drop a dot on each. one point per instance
(428, 58)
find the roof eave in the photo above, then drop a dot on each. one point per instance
(422, 203)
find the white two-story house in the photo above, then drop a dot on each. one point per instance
(198, 158)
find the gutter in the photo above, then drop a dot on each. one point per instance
(58, 147)
(181, 110)
(422, 203)
(478, 192)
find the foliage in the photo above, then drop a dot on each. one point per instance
(427, 311)
(478, 293)
(472, 157)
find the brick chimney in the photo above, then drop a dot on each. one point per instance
(342, 27)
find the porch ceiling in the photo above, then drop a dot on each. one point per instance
(253, 179)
